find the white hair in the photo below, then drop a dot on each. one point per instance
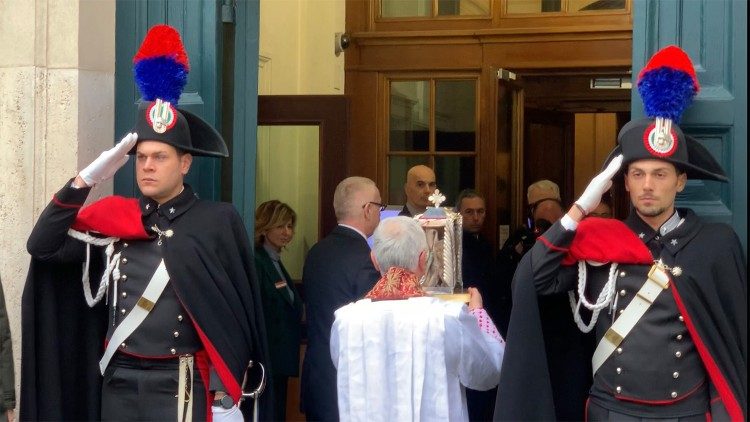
(346, 194)
(397, 242)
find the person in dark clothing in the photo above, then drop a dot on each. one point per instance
(7, 371)
(282, 305)
(338, 270)
(478, 266)
(545, 207)
(182, 318)
(666, 291)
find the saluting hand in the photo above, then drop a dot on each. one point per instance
(598, 185)
(108, 162)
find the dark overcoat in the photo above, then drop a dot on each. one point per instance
(283, 315)
(209, 260)
(711, 294)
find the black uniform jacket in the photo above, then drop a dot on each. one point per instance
(711, 294)
(210, 263)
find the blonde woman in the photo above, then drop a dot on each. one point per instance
(274, 229)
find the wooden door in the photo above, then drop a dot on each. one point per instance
(549, 149)
(508, 193)
(200, 27)
(714, 34)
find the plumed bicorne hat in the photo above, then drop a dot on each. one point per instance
(667, 86)
(160, 68)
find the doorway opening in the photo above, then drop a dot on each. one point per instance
(558, 125)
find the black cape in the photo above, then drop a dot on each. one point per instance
(711, 295)
(210, 263)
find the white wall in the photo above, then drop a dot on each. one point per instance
(56, 114)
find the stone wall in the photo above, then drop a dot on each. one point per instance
(56, 115)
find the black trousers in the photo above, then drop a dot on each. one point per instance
(279, 397)
(146, 390)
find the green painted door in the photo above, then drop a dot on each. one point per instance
(199, 23)
(714, 34)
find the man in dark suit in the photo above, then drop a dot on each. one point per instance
(338, 270)
(477, 270)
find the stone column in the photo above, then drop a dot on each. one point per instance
(57, 61)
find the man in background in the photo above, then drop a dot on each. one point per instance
(478, 265)
(338, 270)
(420, 184)
(545, 207)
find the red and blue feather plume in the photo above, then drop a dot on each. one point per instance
(161, 65)
(668, 84)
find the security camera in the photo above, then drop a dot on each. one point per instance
(341, 42)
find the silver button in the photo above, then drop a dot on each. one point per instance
(679, 337)
(123, 311)
(681, 318)
(657, 238)
(179, 318)
(619, 350)
(176, 334)
(620, 312)
(619, 371)
(623, 273)
(676, 375)
(678, 354)
(124, 261)
(173, 351)
(618, 389)
(674, 394)
(124, 294)
(623, 292)
(123, 345)
(124, 245)
(124, 277)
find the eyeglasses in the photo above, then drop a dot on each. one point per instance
(380, 206)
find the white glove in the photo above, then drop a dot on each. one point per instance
(233, 414)
(109, 161)
(598, 185)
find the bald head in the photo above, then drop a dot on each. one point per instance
(420, 183)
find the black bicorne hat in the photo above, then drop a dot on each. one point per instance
(686, 153)
(667, 86)
(160, 68)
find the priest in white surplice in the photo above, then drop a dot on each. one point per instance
(401, 355)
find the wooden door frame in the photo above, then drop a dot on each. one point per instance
(488, 164)
(331, 114)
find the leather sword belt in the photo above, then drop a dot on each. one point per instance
(656, 282)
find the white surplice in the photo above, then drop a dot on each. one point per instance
(409, 360)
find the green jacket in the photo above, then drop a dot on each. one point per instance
(7, 378)
(282, 314)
